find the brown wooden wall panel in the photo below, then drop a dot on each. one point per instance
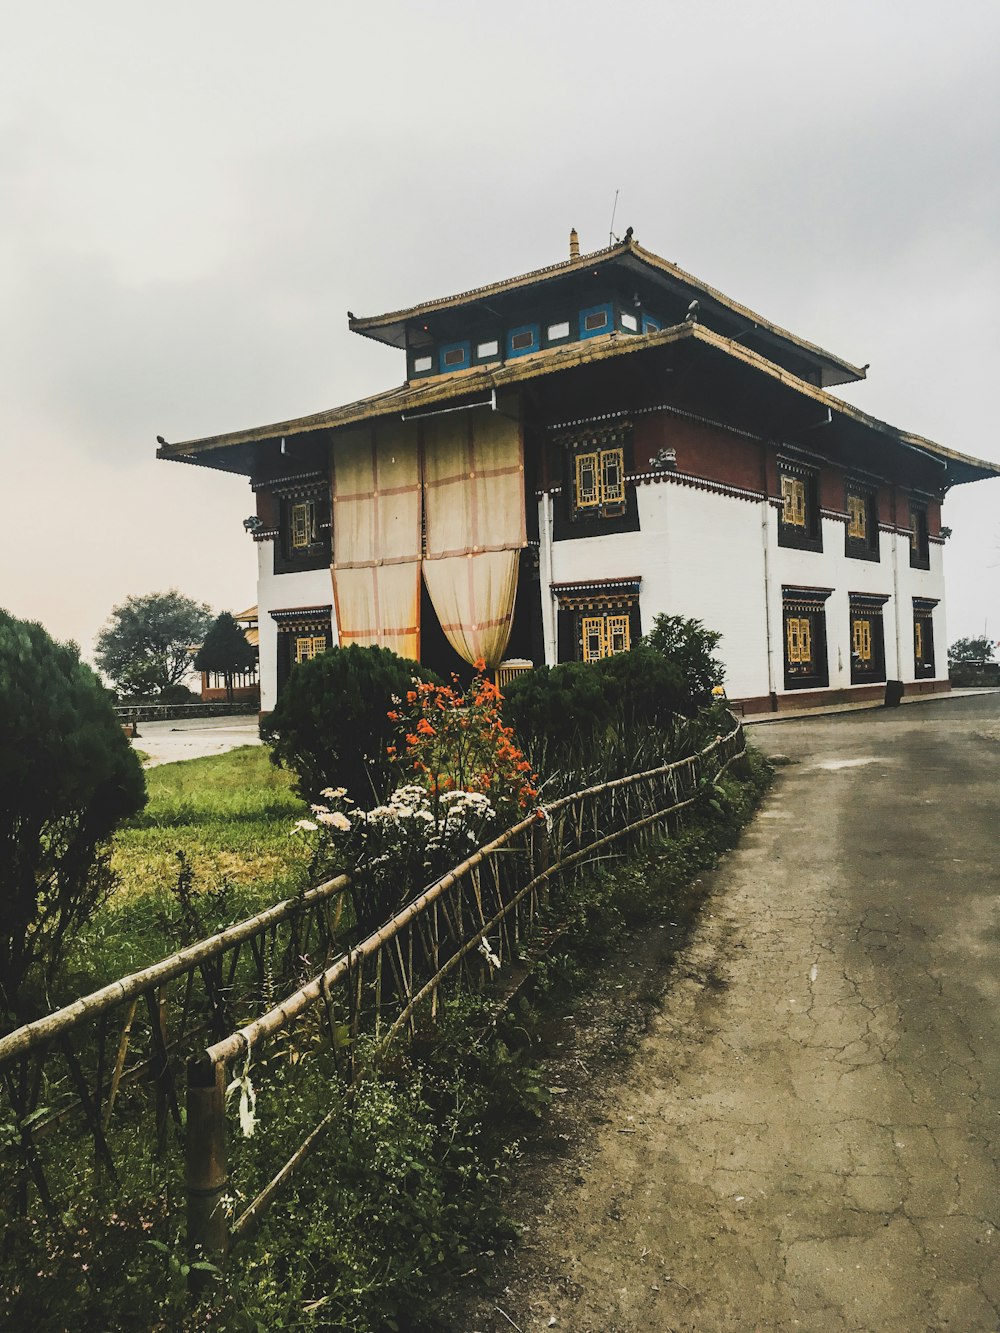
(703, 451)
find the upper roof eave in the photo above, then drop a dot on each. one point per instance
(479, 380)
(840, 371)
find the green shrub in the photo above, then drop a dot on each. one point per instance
(586, 721)
(690, 647)
(330, 726)
(68, 778)
(178, 694)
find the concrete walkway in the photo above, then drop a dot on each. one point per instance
(193, 738)
(808, 1137)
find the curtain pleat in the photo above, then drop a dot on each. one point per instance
(473, 596)
(473, 472)
(376, 537)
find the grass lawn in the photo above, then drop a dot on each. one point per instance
(230, 816)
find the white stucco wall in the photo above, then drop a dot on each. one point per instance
(280, 592)
(698, 553)
(702, 553)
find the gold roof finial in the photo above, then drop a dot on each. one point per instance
(574, 245)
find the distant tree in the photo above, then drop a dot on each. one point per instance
(146, 644)
(225, 651)
(971, 650)
(68, 777)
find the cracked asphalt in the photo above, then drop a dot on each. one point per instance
(807, 1135)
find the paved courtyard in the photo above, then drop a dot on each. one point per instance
(192, 738)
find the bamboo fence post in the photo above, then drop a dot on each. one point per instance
(206, 1172)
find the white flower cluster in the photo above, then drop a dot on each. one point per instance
(412, 829)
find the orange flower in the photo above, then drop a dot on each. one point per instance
(424, 728)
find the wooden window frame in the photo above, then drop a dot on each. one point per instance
(296, 629)
(605, 494)
(920, 547)
(923, 645)
(800, 524)
(603, 628)
(867, 640)
(804, 642)
(308, 646)
(302, 534)
(303, 540)
(861, 539)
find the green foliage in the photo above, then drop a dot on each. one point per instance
(691, 648)
(405, 1190)
(67, 780)
(228, 816)
(331, 725)
(225, 651)
(586, 721)
(145, 645)
(178, 694)
(972, 650)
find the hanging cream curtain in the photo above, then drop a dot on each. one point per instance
(376, 537)
(473, 474)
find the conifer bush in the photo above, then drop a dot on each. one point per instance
(68, 778)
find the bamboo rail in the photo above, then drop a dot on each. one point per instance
(377, 987)
(78, 1061)
(103, 1063)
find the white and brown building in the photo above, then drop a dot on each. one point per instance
(577, 449)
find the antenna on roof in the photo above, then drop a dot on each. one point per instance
(614, 210)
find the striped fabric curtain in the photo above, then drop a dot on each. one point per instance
(473, 475)
(376, 537)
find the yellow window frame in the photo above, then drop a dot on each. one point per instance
(605, 636)
(857, 508)
(303, 525)
(793, 496)
(593, 638)
(599, 476)
(308, 646)
(861, 640)
(798, 638)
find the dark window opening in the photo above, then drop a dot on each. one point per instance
(923, 644)
(304, 542)
(920, 551)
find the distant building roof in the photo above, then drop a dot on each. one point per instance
(717, 309)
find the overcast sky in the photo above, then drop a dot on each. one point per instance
(193, 195)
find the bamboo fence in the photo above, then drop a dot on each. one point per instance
(109, 1065)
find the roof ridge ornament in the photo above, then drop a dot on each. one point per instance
(574, 244)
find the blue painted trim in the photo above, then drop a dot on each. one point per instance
(606, 327)
(650, 325)
(464, 347)
(536, 340)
